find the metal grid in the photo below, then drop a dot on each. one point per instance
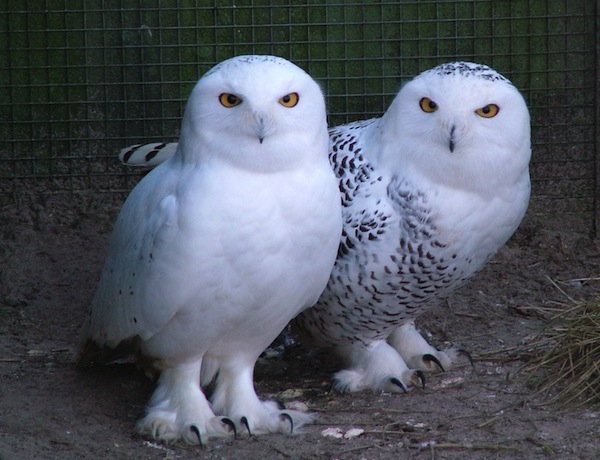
(83, 78)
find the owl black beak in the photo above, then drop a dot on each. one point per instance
(451, 143)
(264, 126)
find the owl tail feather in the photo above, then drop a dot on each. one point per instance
(92, 354)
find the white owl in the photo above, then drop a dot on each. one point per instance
(219, 247)
(430, 192)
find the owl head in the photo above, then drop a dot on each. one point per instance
(459, 123)
(255, 112)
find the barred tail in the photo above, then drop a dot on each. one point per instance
(148, 155)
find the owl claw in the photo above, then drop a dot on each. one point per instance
(285, 416)
(229, 423)
(398, 383)
(467, 355)
(421, 376)
(244, 421)
(429, 358)
(196, 431)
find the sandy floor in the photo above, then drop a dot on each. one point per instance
(51, 253)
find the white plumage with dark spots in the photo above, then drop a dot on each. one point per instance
(219, 247)
(430, 192)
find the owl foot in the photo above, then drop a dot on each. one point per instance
(198, 431)
(417, 353)
(271, 420)
(377, 367)
(234, 397)
(179, 409)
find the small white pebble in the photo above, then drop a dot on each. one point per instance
(296, 405)
(332, 433)
(35, 353)
(426, 444)
(353, 433)
(449, 382)
(157, 446)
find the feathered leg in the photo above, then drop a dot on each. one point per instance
(178, 408)
(417, 353)
(235, 397)
(375, 367)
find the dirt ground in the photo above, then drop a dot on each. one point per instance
(51, 251)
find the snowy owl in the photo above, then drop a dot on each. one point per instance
(430, 192)
(219, 247)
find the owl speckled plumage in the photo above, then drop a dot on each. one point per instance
(219, 247)
(430, 192)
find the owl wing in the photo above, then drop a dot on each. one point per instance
(366, 211)
(138, 290)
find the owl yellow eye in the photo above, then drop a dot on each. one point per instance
(229, 100)
(489, 111)
(427, 105)
(289, 100)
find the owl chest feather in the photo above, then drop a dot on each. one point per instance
(261, 219)
(405, 243)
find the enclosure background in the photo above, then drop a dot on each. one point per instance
(81, 79)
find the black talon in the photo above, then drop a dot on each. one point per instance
(244, 421)
(286, 416)
(230, 424)
(421, 376)
(430, 358)
(467, 354)
(196, 431)
(397, 382)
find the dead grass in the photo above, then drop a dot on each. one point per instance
(564, 358)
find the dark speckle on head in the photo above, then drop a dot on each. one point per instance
(248, 59)
(468, 69)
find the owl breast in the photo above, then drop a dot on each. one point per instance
(403, 247)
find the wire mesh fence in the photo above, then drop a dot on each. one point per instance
(83, 78)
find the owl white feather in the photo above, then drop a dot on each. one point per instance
(430, 192)
(219, 247)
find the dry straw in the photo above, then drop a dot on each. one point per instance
(568, 348)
